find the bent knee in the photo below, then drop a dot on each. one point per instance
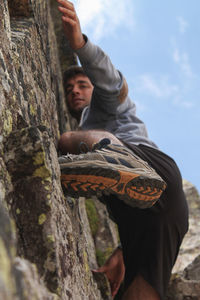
(65, 143)
(70, 141)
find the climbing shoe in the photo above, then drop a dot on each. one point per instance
(111, 169)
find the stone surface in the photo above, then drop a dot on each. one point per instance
(18, 278)
(185, 281)
(106, 237)
(29, 283)
(52, 254)
(7, 251)
(190, 247)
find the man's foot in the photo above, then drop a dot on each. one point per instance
(111, 169)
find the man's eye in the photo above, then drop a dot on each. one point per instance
(68, 90)
(83, 86)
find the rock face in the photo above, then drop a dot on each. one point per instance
(46, 247)
(191, 244)
(185, 281)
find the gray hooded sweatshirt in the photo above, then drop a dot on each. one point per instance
(105, 110)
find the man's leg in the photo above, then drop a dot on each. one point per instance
(114, 269)
(70, 141)
(140, 289)
(151, 237)
(107, 168)
(139, 238)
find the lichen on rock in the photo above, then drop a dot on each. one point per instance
(185, 280)
(51, 254)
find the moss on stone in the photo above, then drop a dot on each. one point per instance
(18, 211)
(47, 187)
(92, 216)
(32, 110)
(42, 172)
(50, 238)
(58, 291)
(8, 122)
(42, 218)
(5, 266)
(102, 256)
(85, 260)
(39, 158)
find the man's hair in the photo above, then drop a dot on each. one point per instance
(71, 72)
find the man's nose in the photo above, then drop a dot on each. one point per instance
(75, 90)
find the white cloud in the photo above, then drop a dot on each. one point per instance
(187, 104)
(158, 87)
(100, 18)
(183, 24)
(182, 60)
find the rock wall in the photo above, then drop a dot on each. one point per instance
(46, 247)
(185, 280)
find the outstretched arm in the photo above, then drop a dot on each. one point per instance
(71, 24)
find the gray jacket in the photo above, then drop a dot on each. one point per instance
(105, 110)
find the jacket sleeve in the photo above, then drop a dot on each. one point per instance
(110, 88)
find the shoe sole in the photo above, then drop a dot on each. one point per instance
(133, 189)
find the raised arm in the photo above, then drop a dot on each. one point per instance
(96, 63)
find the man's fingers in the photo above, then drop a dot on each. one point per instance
(71, 24)
(102, 269)
(67, 11)
(66, 4)
(69, 20)
(69, 14)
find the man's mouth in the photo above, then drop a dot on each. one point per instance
(77, 100)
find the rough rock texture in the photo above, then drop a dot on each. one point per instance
(106, 236)
(19, 278)
(46, 248)
(191, 244)
(185, 281)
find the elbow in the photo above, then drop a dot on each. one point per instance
(123, 92)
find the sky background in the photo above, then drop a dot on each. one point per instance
(155, 44)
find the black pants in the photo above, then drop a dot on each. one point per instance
(151, 237)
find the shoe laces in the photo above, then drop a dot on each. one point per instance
(101, 144)
(83, 147)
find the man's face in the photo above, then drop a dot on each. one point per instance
(79, 93)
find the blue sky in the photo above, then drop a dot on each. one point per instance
(155, 44)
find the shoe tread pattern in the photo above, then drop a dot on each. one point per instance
(87, 182)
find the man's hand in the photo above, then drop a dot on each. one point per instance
(71, 24)
(114, 270)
